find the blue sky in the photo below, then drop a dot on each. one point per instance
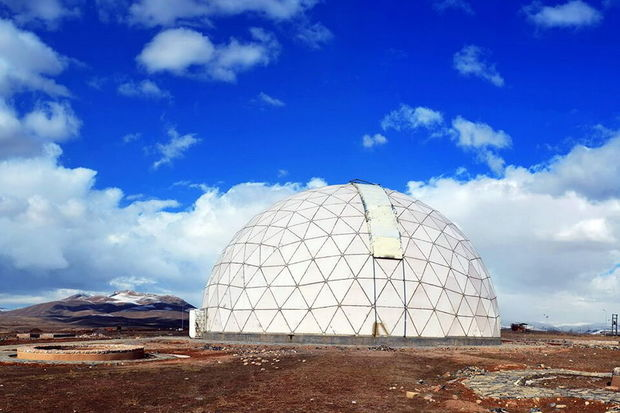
(174, 112)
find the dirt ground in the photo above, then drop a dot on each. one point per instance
(226, 378)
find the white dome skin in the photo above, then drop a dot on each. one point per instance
(306, 267)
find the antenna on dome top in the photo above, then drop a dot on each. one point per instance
(361, 181)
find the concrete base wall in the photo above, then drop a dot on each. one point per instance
(249, 338)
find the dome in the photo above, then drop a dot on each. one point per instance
(356, 262)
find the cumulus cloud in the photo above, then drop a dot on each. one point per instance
(478, 134)
(470, 61)
(316, 183)
(26, 63)
(57, 230)
(574, 13)
(590, 172)
(476, 137)
(369, 141)
(174, 148)
(409, 118)
(144, 89)
(48, 12)
(187, 52)
(314, 35)
(30, 134)
(483, 140)
(270, 100)
(165, 13)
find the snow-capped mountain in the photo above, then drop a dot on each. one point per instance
(128, 308)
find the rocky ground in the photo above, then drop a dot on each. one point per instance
(226, 378)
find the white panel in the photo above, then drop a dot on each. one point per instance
(384, 235)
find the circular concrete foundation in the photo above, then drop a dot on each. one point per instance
(80, 352)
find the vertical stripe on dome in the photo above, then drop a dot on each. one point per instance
(382, 225)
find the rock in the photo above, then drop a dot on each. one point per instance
(560, 406)
(535, 410)
(411, 394)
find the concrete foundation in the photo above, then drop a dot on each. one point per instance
(94, 352)
(391, 341)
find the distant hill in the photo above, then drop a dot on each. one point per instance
(580, 328)
(122, 308)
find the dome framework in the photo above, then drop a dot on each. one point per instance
(349, 264)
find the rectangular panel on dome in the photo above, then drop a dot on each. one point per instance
(382, 225)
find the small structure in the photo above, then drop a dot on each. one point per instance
(520, 327)
(56, 335)
(27, 336)
(80, 352)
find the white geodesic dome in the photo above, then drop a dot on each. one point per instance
(351, 260)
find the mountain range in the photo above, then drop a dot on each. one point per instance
(122, 308)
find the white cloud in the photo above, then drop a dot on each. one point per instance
(590, 172)
(314, 35)
(58, 231)
(574, 13)
(48, 12)
(482, 139)
(29, 135)
(175, 148)
(315, 182)
(282, 173)
(478, 134)
(443, 5)
(131, 282)
(144, 89)
(52, 121)
(535, 227)
(175, 50)
(165, 13)
(409, 118)
(26, 63)
(270, 100)
(477, 137)
(190, 53)
(369, 141)
(131, 137)
(470, 61)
